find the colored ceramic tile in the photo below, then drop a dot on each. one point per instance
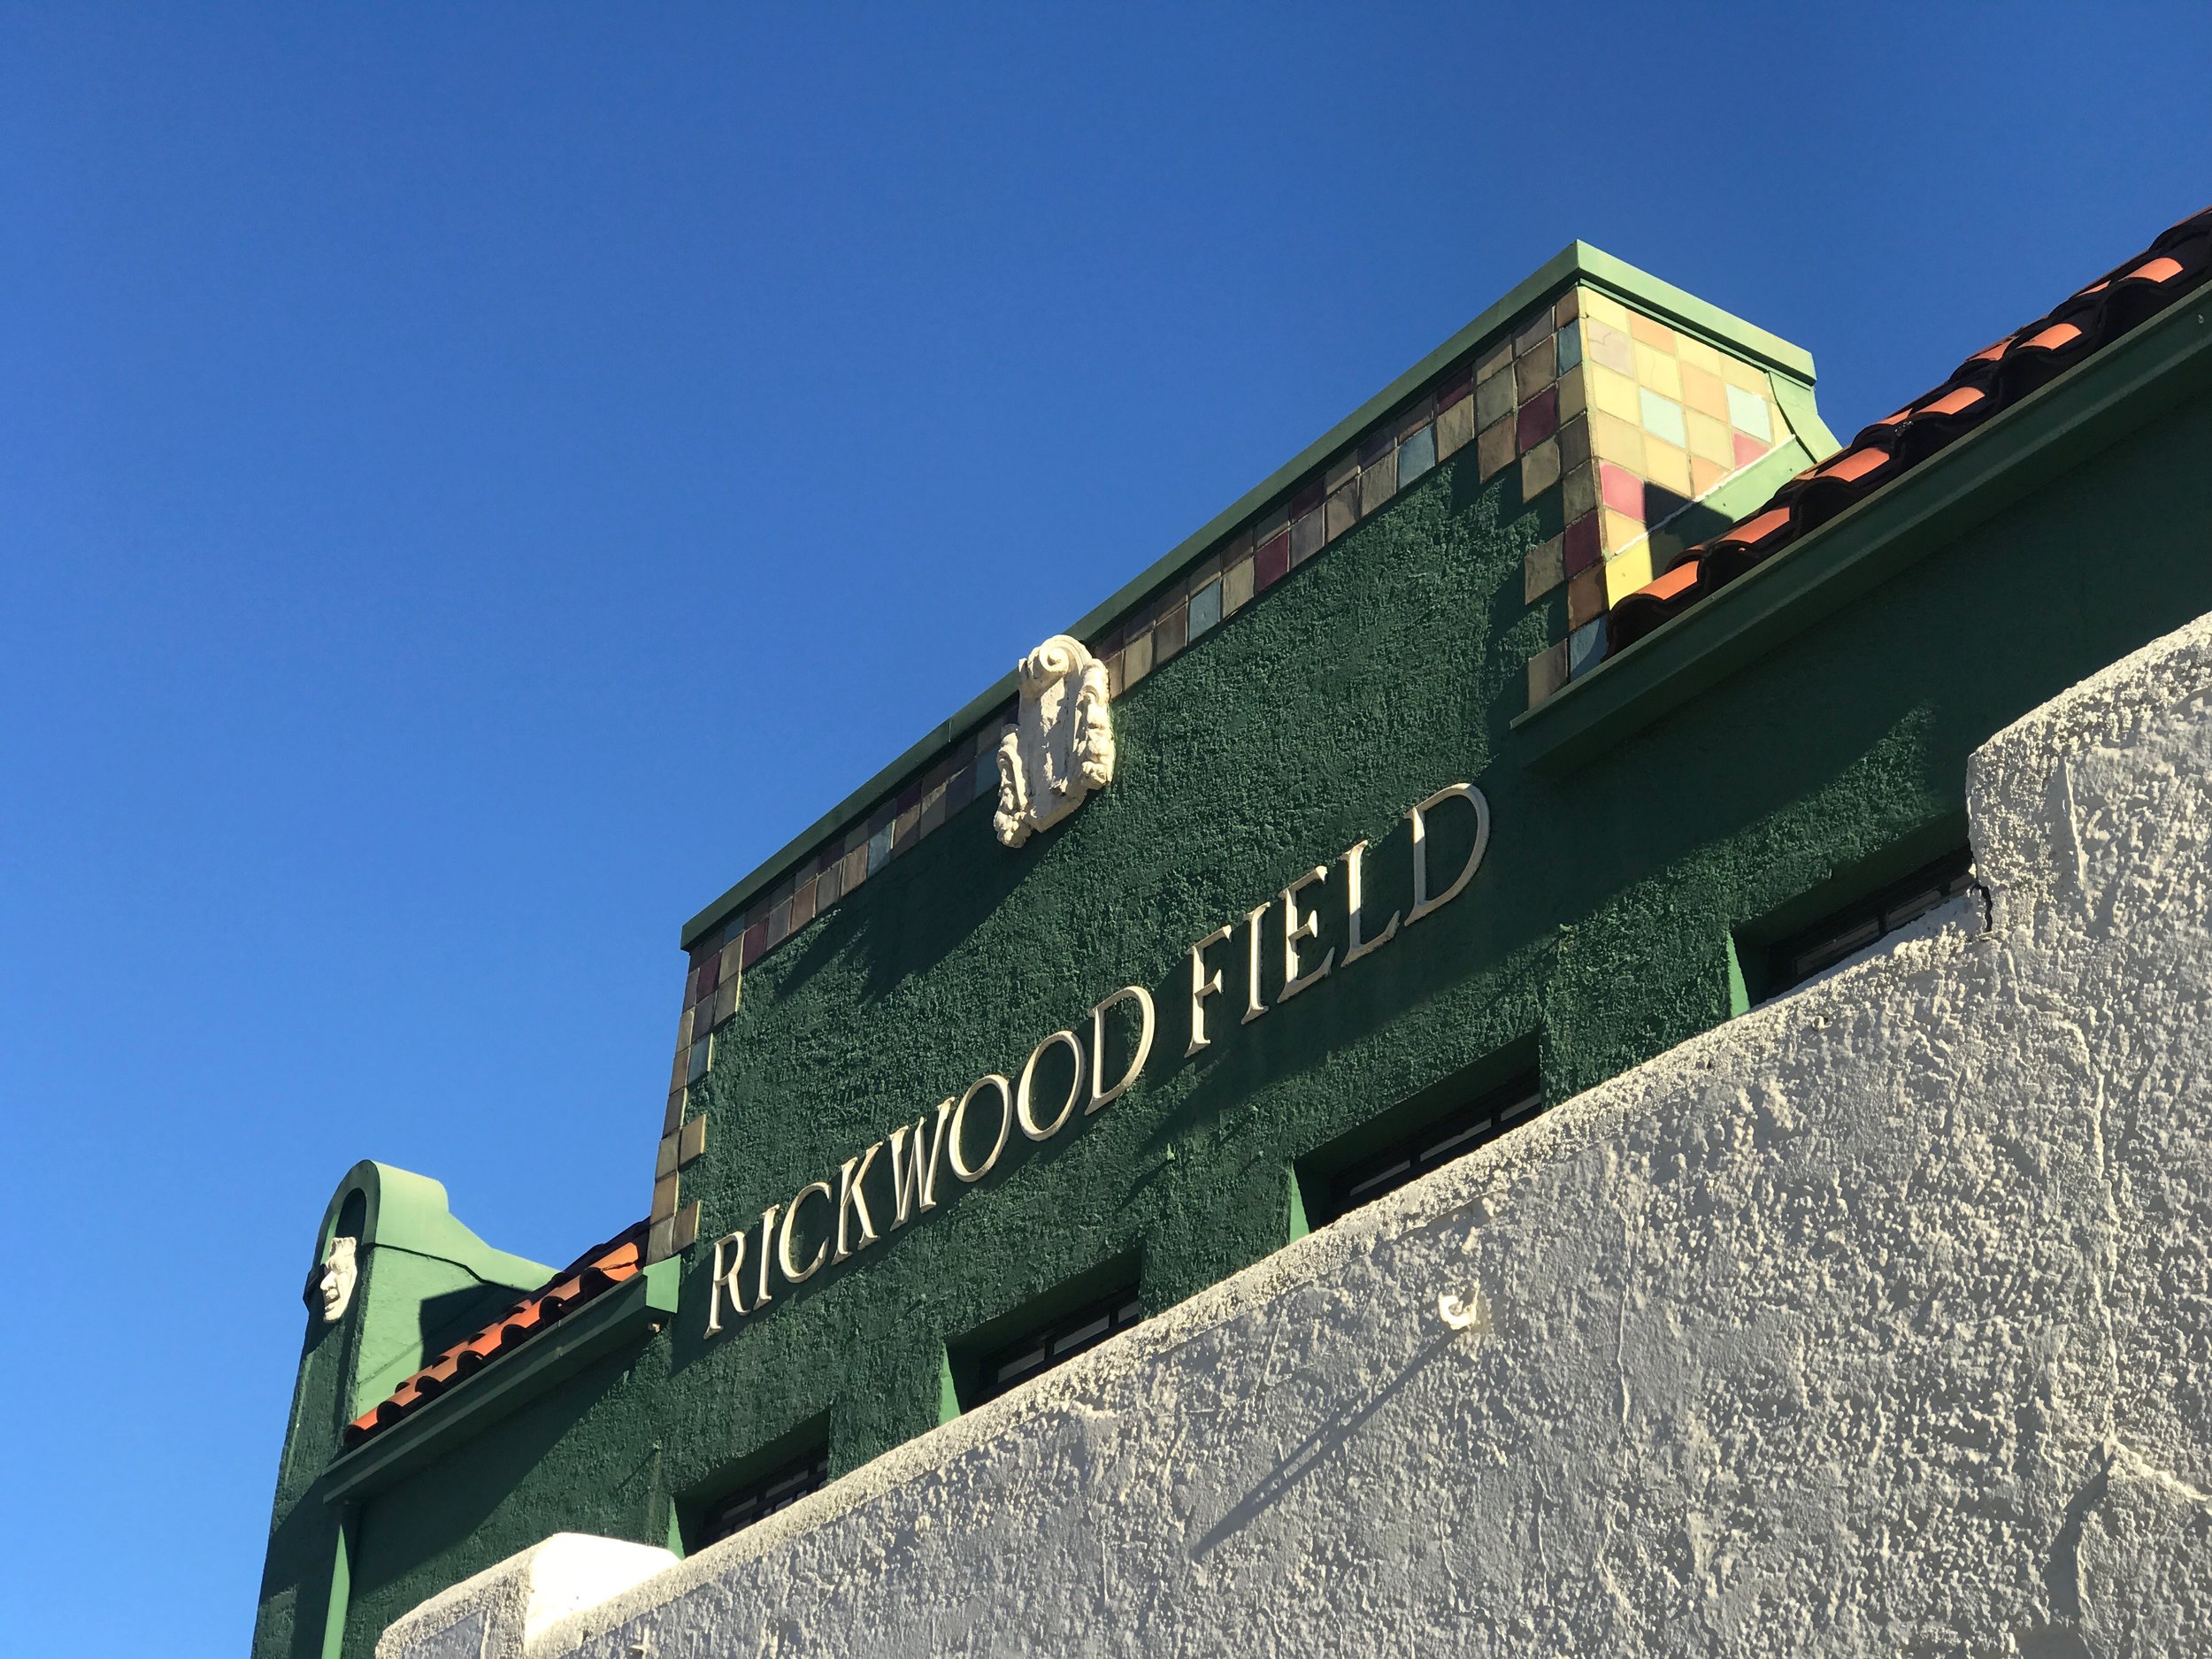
(1539, 469)
(1205, 608)
(1578, 489)
(1379, 483)
(1648, 332)
(1341, 472)
(1585, 597)
(1417, 455)
(1695, 354)
(1709, 439)
(1621, 490)
(684, 1027)
(1493, 450)
(1532, 371)
(1603, 308)
(1574, 442)
(1136, 658)
(724, 1002)
(1343, 510)
(1747, 449)
(1617, 441)
(664, 1197)
(1567, 347)
(1271, 561)
(1580, 545)
(1493, 399)
(1704, 393)
(1307, 533)
(692, 1143)
(756, 934)
(1609, 345)
(660, 1240)
(1565, 309)
(780, 917)
(1236, 586)
(1274, 520)
(1617, 532)
(673, 1118)
(1542, 571)
(1574, 393)
(1458, 384)
(1374, 446)
(1455, 428)
(1658, 372)
(880, 849)
(1538, 419)
(699, 1054)
(933, 818)
(1494, 357)
(1547, 673)
(1669, 468)
(1613, 394)
(1706, 476)
(1169, 635)
(1625, 574)
(1533, 332)
(1586, 648)
(1741, 374)
(683, 1231)
(1748, 414)
(803, 905)
(1416, 417)
(1309, 498)
(1662, 418)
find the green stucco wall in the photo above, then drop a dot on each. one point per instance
(1389, 666)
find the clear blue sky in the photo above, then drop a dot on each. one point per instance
(475, 481)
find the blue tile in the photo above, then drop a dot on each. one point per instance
(1205, 609)
(1415, 455)
(1570, 345)
(880, 849)
(1586, 647)
(697, 1068)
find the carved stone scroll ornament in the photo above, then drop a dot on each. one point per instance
(1061, 746)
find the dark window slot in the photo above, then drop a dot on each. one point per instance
(758, 1500)
(1053, 1343)
(1851, 928)
(1336, 1184)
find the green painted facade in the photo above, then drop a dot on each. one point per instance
(1801, 737)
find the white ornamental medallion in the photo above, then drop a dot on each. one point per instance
(1061, 746)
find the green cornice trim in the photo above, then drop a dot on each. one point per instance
(626, 1314)
(1576, 263)
(2093, 405)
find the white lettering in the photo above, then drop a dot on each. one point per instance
(959, 1119)
(1355, 946)
(1294, 930)
(1423, 904)
(914, 1175)
(1023, 1110)
(1101, 1094)
(851, 1203)
(792, 1271)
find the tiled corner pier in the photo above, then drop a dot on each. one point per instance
(1637, 414)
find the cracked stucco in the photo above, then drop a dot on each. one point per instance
(1878, 1320)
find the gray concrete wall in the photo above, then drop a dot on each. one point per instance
(1877, 1321)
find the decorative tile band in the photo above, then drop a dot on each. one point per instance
(1630, 419)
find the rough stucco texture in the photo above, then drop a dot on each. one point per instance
(1878, 1320)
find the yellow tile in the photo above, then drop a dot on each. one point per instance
(1614, 393)
(1659, 371)
(1737, 373)
(1705, 477)
(1625, 573)
(1604, 308)
(1491, 361)
(1617, 441)
(1494, 447)
(1695, 354)
(1455, 428)
(1709, 439)
(1702, 391)
(1667, 467)
(1574, 394)
(1539, 469)
(1617, 532)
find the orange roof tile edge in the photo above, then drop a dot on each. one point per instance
(1993, 379)
(596, 1271)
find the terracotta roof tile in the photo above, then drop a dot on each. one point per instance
(596, 1271)
(1993, 379)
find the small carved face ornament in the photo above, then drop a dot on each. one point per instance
(337, 1282)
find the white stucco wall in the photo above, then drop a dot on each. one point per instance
(1878, 1321)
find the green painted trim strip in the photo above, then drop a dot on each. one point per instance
(621, 1314)
(1796, 400)
(2089, 408)
(1577, 262)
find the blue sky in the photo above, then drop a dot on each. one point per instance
(473, 481)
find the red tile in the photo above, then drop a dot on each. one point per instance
(1272, 559)
(1580, 546)
(1539, 419)
(1621, 490)
(1748, 449)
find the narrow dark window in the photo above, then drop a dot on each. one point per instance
(756, 1500)
(1337, 1180)
(1052, 1343)
(1846, 931)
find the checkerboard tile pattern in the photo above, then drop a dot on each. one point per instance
(1630, 420)
(1636, 421)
